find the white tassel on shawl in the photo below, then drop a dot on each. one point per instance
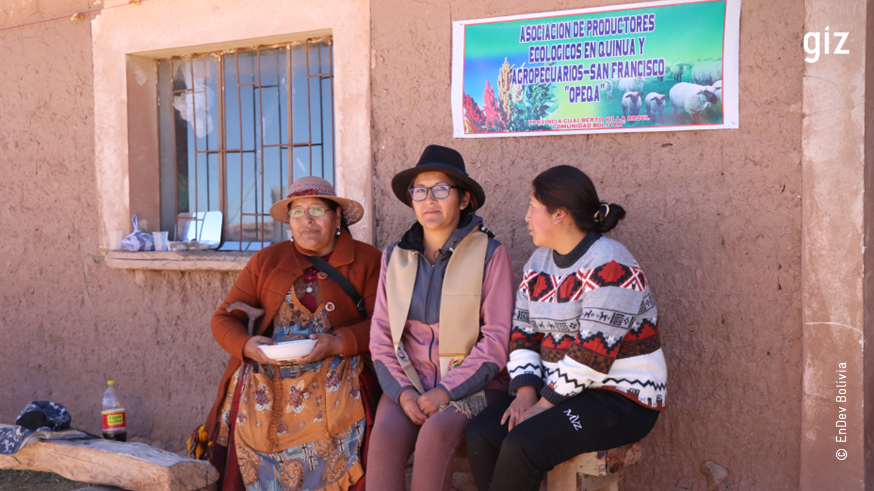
(469, 406)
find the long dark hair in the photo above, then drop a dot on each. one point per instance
(335, 207)
(570, 189)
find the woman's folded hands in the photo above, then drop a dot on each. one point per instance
(408, 401)
(420, 407)
(430, 402)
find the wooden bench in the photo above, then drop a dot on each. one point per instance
(594, 471)
(131, 466)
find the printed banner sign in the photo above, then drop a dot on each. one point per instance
(656, 66)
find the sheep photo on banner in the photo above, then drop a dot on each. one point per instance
(656, 66)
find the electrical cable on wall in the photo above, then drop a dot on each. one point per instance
(75, 16)
(96, 258)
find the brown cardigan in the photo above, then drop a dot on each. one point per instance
(266, 280)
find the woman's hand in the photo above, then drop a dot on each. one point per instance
(407, 401)
(328, 345)
(430, 401)
(251, 351)
(542, 405)
(525, 398)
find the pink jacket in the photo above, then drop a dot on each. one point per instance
(485, 367)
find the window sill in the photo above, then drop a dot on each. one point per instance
(179, 261)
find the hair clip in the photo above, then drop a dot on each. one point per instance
(598, 213)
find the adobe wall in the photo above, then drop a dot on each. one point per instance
(60, 340)
(714, 219)
(148, 331)
(838, 286)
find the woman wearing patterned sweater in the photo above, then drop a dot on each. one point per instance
(585, 338)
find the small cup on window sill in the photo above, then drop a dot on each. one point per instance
(115, 237)
(160, 241)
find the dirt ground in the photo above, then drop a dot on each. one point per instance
(36, 481)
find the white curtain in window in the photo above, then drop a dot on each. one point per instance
(196, 106)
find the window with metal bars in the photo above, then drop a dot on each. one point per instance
(237, 127)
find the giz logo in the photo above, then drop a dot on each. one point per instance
(575, 420)
(814, 51)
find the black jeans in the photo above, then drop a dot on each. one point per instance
(518, 460)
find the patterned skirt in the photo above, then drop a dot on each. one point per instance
(299, 427)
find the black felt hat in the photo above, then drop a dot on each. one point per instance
(439, 159)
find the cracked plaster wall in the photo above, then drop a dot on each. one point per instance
(148, 331)
(714, 219)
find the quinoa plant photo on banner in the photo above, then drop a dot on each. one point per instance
(656, 66)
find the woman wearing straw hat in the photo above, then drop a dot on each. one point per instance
(298, 424)
(440, 326)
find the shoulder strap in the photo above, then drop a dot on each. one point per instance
(461, 297)
(341, 280)
(400, 280)
(460, 313)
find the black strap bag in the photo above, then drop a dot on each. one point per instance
(341, 280)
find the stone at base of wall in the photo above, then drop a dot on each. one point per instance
(716, 476)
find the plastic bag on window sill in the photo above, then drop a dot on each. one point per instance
(137, 240)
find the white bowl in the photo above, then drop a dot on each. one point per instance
(289, 350)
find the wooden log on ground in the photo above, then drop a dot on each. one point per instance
(132, 466)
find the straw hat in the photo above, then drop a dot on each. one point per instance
(316, 187)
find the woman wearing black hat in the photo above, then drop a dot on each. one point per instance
(441, 325)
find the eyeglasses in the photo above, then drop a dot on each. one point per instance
(300, 212)
(438, 192)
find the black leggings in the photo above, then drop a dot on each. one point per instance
(593, 420)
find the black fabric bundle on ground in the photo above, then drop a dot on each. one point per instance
(40, 420)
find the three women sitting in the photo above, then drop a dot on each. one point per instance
(587, 369)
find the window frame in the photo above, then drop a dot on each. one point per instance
(170, 219)
(125, 43)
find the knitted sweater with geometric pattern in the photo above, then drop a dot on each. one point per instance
(590, 325)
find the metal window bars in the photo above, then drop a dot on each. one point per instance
(237, 128)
